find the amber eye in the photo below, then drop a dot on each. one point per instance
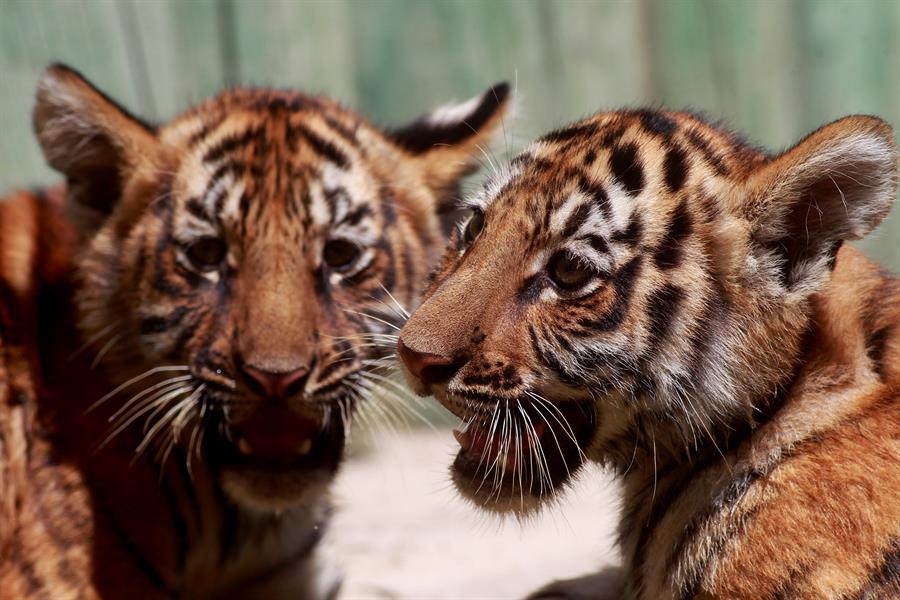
(567, 272)
(473, 227)
(340, 255)
(206, 254)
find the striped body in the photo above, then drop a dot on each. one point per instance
(189, 326)
(645, 290)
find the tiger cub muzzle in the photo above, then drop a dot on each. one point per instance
(517, 446)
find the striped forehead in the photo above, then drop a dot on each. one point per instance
(294, 168)
(613, 169)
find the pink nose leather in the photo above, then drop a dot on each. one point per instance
(430, 368)
(276, 385)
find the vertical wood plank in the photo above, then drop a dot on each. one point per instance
(774, 69)
(85, 35)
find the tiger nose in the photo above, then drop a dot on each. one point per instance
(275, 384)
(429, 368)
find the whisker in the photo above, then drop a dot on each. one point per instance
(106, 348)
(93, 339)
(134, 380)
(144, 410)
(373, 317)
(170, 383)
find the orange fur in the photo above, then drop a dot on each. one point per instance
(187, 327)
(644, 290)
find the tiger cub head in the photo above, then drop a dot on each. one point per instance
(632, 284)
(243, 264)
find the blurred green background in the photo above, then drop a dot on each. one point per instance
(772, 69)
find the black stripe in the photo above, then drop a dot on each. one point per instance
(876, 347)
(319, 145)
(612, 134)
(339, 128)
(709, 155)
(388, 212)
(154, 325)
(656, 122)
(662, 310)
(627, 169)
(335, 366)
(576, 220)
(356, 215)
(623, 281)
(548, 359)
(597, 243)
(597, 193)
(230, 143)
(422, 135)
(675, 168)
(233, 167)
(567, 133)
(161, 281)
(201, 134)
(333, 197)
(198, 210)
(668, 253)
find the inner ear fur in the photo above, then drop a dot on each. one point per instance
(837, 184)
(447, 141)
(89, 138)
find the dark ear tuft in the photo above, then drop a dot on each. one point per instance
(835, 185)
(451, 124)
(445, 142)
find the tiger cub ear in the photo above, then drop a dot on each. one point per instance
(835, 185)
(447, 141)
(89, 138)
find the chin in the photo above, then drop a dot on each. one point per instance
(300, 478)
(262, 491)
(518, 463)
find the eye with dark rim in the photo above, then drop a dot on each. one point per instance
(206, 254)
(340, 255)
(474, 226)
(568, 273)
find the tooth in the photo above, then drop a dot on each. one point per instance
(305, 447)
(244, 446)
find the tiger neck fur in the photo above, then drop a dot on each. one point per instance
(846, 364)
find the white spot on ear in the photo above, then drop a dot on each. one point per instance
(455, 112)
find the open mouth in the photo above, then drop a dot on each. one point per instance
(275, 439)
(513, 448)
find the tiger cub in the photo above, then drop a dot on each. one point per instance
(644, 290)
(187, 326)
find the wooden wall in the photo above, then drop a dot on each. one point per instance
(774, 69)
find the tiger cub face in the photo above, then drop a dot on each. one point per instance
(241, 264)
(631, 287)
